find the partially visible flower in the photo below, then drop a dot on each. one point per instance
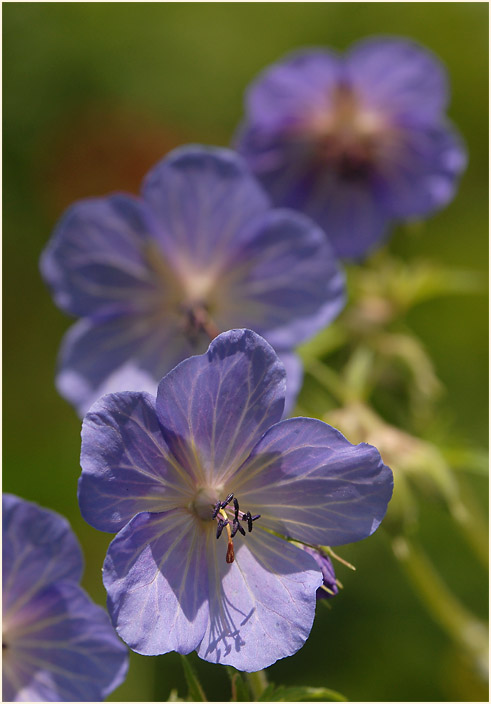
(200, 483)
(57, 645)
(155, 278)
(355, 141)
(329, 587)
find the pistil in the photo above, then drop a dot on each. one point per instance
(223, 521)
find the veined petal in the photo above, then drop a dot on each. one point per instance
(309, 483)
(39, 548)
(288, 284)
(126, 353)
(262, 606)
(399, 76)
(423, 174)
(61, 647)
(155, 576)
(126, 464)
(202, 197)
(214, 407)
(96, 259)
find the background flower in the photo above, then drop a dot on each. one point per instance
(57, 645)
(355, 141)
(156, 278)
(184, 68)
(155, 469)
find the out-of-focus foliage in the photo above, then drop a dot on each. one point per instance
(94, 94)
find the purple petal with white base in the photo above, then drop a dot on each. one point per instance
(57, 644)
(213, 408)
(157, 278)
(122, 444)
(262, 606)
(153, 574)
(203, 571)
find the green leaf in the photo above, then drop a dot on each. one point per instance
(304, 694)
(195, 689)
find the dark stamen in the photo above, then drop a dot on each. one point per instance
(254, 518)
(236, 507)
(220, 527)
(240, 529)
(218, 506)
(227, 500)
(235, 528)
(247, 517)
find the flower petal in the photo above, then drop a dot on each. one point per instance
(155, 576)
(62, 648)
(39, 548)
(288, 284)
(127, 353)
(294, 378)
(309, 483)
(262, 606)
(423, 176)
(214, 407)
(96, 260)
(126, 464)
(399, 76)
(202, 197)
(295, 86)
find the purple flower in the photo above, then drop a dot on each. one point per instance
(57, 645)
(155, 278)
(203, 483)
(329, 587)
(355, 141)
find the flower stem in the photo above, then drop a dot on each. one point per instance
(468, 632)
(258, 682)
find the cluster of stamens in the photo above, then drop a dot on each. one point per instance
(223, 520)
(197, 321)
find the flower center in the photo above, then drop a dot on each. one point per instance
(223, 516)
(348, 135)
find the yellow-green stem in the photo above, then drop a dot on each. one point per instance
(468, 632)
(257, 682)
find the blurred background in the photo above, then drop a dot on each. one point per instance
(93, 95)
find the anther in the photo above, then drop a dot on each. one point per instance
(227, 501)
(240, 529)
(247, 517)
(220, 527)
(236, 507)
(218, 506)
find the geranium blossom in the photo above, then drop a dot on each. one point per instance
(57, 645)
(203, 486)
(355, 141)
(155, 278)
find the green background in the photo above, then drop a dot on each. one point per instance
(93, 95)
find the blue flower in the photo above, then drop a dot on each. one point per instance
(57, 645)
(203, 485)
(155, 278)
(355, 141)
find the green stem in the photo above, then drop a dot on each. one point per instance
(468, 632)
(258, 682)
(469, 517)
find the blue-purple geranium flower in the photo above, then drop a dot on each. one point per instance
(204, 484)
(355, 141)
(57, 645)
(155, 278)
